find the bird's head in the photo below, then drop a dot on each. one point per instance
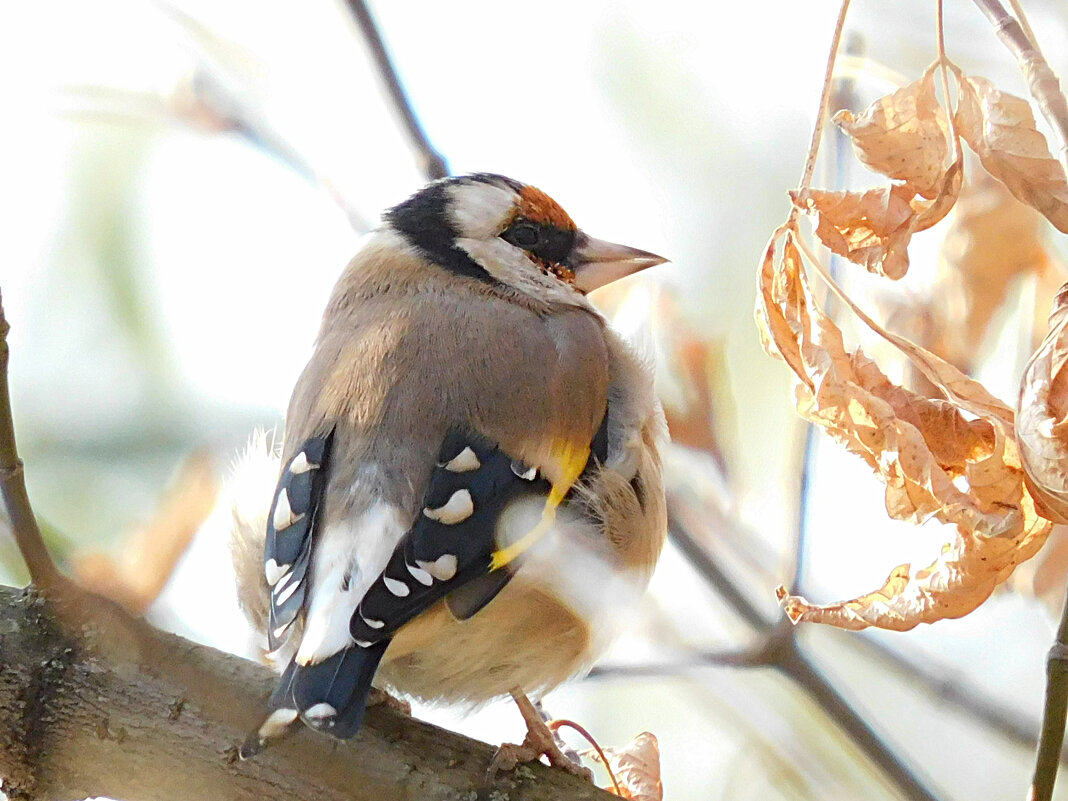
(502, 232)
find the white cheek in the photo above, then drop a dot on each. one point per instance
(479, 209)
(504, 262)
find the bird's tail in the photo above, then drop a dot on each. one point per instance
(330, 696)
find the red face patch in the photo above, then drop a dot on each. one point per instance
(538, 207)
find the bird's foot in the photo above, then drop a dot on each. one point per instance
(539, 742)
(533, 748)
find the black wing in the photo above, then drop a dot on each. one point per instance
(290, 528)
(447, 553)
(449, 548)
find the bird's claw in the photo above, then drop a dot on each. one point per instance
(536, 745)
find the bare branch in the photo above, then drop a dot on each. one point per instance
(431, 162)
(1041, 80)
(778, 649)
(24, 526)
(94, 702)
(1051, 737)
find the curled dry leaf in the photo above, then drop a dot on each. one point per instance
(1000, 128)
(636, 767)
(935, 460)
(904, 135)
(870, 228)
(873, 228)
(1042, 416)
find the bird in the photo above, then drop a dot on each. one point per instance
(469, 491)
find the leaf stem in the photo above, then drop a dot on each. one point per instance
(943, 65)
(821, 117)
(555, 725)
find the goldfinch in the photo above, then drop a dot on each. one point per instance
(470, 489)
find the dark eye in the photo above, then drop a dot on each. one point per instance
(522, 235)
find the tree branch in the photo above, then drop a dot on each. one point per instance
(13, 485)
(1051, 737)
(1041, 80)
(94, 702)
(778, 649)
(431, 162)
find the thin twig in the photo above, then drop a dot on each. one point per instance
(431, 162)
(24, 526)
(779, 650)
(1051, 737)
(948, 689)
(1041, 80)
(795, 666)
(821, 117)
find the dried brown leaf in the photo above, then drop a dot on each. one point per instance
(1000, 128)
(935, 460)
(636, 767)
(874, 228)
(904, 136)
(1042, 416)
(870, 228)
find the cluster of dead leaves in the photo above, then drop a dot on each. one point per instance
(963, 457)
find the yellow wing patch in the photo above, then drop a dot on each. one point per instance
(570, 460)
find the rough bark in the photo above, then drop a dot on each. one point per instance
(95, 702)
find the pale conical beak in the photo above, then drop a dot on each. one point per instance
(596, 262)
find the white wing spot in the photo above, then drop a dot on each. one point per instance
(300, 464)
(320, 711)
(463, 462)
(457, 509)
(398, 588)
(283, 512)
(282, 582)
(524, 472)
(375, 624)
(420, 575)
(443, 568)
(283, 595)
(278, 632)
(274, 571)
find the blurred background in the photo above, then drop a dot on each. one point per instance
(181, 183)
